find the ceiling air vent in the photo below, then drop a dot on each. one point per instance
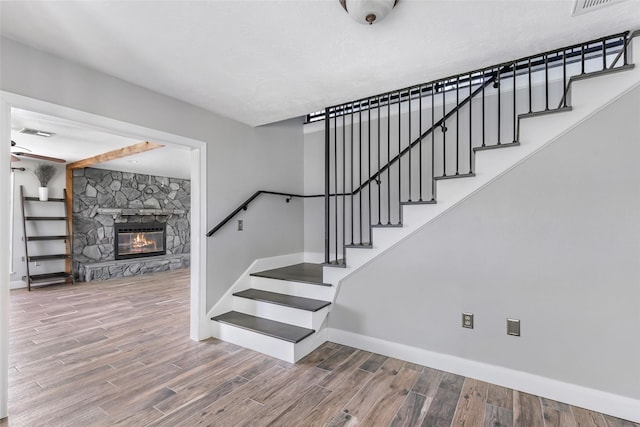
(584, 6)
(36, 132)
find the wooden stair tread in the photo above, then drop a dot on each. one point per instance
(47, 277)
(279, 330)
(305, 272)
(307, 304)
(48, 257)
(45, 218)
(61, 237)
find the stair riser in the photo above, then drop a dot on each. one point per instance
(262, 343)
(297, 289)
(279, 313)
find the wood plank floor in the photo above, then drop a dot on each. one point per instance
(118, 353)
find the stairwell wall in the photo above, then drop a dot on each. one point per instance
(554, 242)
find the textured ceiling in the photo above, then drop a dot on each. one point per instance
(269, 60)
(74, 141)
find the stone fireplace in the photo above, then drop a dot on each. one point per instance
(139, 240)
(111, 212)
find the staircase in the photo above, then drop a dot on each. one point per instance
(390, 170)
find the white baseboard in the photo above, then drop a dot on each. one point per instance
(572, 394)
(17, 284)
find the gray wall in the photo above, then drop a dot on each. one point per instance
(240, 159)
(555, 242)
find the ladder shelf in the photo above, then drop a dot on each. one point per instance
(30, 240)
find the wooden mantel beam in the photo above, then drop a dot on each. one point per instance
(140, 147)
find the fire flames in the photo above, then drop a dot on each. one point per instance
(140, 243)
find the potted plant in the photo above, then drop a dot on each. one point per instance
(44, 173)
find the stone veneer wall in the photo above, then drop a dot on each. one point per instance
(103, 197)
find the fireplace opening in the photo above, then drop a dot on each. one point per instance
(135, 240)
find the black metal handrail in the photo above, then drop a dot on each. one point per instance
(245, 204)
(482, 77)
(573, 52)
(347, 151)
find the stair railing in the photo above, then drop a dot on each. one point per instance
(389, 150)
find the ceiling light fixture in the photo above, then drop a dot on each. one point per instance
(368, 11)
(38, 132)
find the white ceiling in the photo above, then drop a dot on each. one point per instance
(266, 60)
(74, 141)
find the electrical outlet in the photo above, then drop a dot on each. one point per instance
(513, 327)
(467, 320)
(240, 225)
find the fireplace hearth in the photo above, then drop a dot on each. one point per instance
(137, 240)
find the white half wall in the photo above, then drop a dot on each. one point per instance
(555, 242)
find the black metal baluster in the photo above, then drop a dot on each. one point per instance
(344, 177)
(420, 143)
(389, 158)
(399, 158)
(369, 168)
(582, 59)
(564, 78)
(359, 168)
(327, 185)
(529, 68)
(379, 181)
(499, 83)
(409, 136)
(624, 49)
(546, 82)
(604, 55)
(444, 133)
(470, 125)
(351, 174)
(457, 125)
(433, 143)
(514, 103)
(484, 76)
(335, 176)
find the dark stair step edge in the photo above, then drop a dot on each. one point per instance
(602, 72)
(545, 112)
(45, 218)
(491, 147)
(307, 304)
(37, 199)
(48, 257)
(46, 277)
(341, 263)
(304, 272)
(359, 246)
(454, 176)
(33, 238)
(419, 202)
(271, 328)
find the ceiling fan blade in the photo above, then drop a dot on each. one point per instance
(39, 157)
(14, 158)
(14, 144)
